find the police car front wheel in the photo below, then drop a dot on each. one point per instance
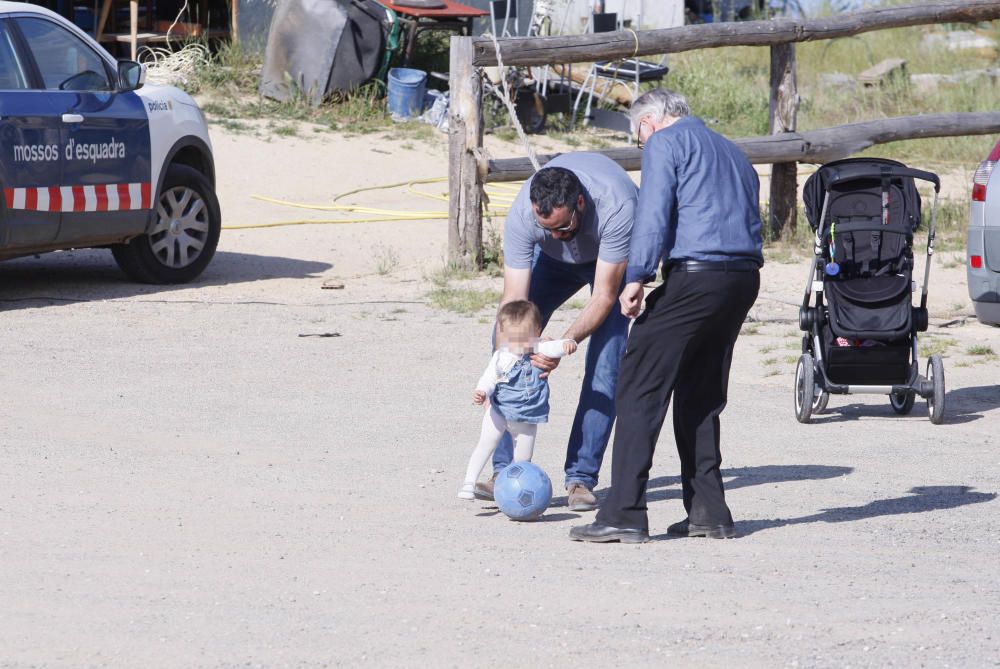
(184, 235)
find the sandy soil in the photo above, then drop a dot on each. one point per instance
(190, 481)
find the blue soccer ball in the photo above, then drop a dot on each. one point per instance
(523, 491)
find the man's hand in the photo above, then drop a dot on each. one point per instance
(478, 397)
(569, 346)
(544, 363)
(631, 299)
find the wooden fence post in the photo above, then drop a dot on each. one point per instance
(784, 107)
(465, 142)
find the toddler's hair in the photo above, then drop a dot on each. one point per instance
(519, 311)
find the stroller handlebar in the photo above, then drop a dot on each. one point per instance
(855, 172)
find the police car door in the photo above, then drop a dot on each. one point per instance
(105, 140)
(30, 156)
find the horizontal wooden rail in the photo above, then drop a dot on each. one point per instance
(626, 44)
(814, 146)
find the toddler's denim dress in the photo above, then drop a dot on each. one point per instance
(523, 397)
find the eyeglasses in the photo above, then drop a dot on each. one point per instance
(564, 228)
(639, 144)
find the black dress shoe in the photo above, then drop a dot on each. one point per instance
(688, 529)
(605, 533)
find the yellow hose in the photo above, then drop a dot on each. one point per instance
(344, 207)
(334, 221)
(382, 215)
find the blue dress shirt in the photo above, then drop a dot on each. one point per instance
(699, 200)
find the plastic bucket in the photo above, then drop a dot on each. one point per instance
(406, 92)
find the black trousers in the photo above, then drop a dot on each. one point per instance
(681, 345)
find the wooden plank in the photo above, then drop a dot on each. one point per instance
(882, 72)
(624, 44)
(103, 22)
(784, 105)
(133, 16)
(234, 21)
(814, 146)
(465, 142)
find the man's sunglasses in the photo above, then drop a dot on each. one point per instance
(564, 228)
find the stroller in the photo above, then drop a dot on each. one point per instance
(862, 328)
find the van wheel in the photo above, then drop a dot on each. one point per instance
(184, 236)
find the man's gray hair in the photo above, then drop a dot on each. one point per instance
(658, 103)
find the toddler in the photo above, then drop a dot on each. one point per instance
(518, 396)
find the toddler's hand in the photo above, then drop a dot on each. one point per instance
(569, 346)
(478, 397)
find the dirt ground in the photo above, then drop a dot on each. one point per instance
(194, 477)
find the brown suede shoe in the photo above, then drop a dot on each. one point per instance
(484, 490)
(579, 498)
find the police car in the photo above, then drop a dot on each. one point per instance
(92, 156)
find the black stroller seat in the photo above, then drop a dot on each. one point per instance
(871, 308)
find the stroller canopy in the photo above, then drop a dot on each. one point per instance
(861, 181)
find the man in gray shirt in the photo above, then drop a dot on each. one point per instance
(570, 226)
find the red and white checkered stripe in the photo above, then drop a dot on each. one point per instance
(106, 197)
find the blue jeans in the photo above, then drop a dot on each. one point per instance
(552, 283)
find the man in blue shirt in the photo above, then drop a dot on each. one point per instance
(699, 214)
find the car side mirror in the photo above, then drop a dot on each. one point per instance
(131, 75)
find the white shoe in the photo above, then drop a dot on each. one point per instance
(468, 491)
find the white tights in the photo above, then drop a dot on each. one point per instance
(494, 425)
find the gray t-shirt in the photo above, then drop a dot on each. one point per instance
(605, 229)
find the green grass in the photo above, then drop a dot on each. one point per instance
(930, 345)
(234, 126)
(492, 249)
(450, 271)
(386, 259)
(465, 301)
(981, 350)
(726, 87)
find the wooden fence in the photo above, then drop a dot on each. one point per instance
(470, 169)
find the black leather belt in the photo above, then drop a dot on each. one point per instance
(713, 266)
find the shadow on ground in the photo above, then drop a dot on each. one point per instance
(962, 405)
(70, 277)
(741, 477)
(921, 500)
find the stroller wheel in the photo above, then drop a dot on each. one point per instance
(805, 394)
(935, 403)
(902, 403)
(820, 402)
